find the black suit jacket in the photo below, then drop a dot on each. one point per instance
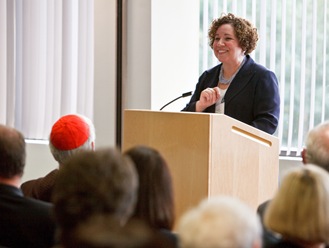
(24, 222)
(252, 98)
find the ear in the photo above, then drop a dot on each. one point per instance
(304, 156)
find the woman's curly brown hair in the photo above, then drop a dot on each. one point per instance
(245, 32)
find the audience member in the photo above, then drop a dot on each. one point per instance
(317, 146)
(316, 152)
(299, 211)
(155, 204)
(91, 183)
(69, 135)
(220, 222)
(24, 222)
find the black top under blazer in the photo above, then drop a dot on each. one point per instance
(252, 97)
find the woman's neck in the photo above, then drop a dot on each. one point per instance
(230, 69)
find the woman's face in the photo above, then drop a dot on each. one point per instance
(226, 45)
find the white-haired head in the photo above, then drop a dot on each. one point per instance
(220, 222)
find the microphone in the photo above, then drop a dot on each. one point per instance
(183, 95)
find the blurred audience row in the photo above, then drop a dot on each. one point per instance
(103, 198)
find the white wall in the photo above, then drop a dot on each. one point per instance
(105, 72)
(137, 88)
(288, 163)
(175, 51)
(39, 160)
(162, 52)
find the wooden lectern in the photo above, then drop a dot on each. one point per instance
(208, 154)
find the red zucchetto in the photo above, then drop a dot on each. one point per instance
(69, 132)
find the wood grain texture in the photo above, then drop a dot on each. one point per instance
(208, 154)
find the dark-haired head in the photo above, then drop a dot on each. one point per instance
(245, 32)
(155, 203)
(99, 182)
(12, 152)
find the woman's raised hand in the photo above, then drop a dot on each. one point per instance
(208, 97)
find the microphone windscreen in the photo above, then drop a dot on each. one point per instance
(187, 94)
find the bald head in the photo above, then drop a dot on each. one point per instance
(12, 152)
(317, 146)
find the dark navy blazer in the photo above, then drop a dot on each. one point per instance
(253, 96)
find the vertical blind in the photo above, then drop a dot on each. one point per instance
(292, 43)
(46, 62)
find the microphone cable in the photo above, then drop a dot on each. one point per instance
(183, 95)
